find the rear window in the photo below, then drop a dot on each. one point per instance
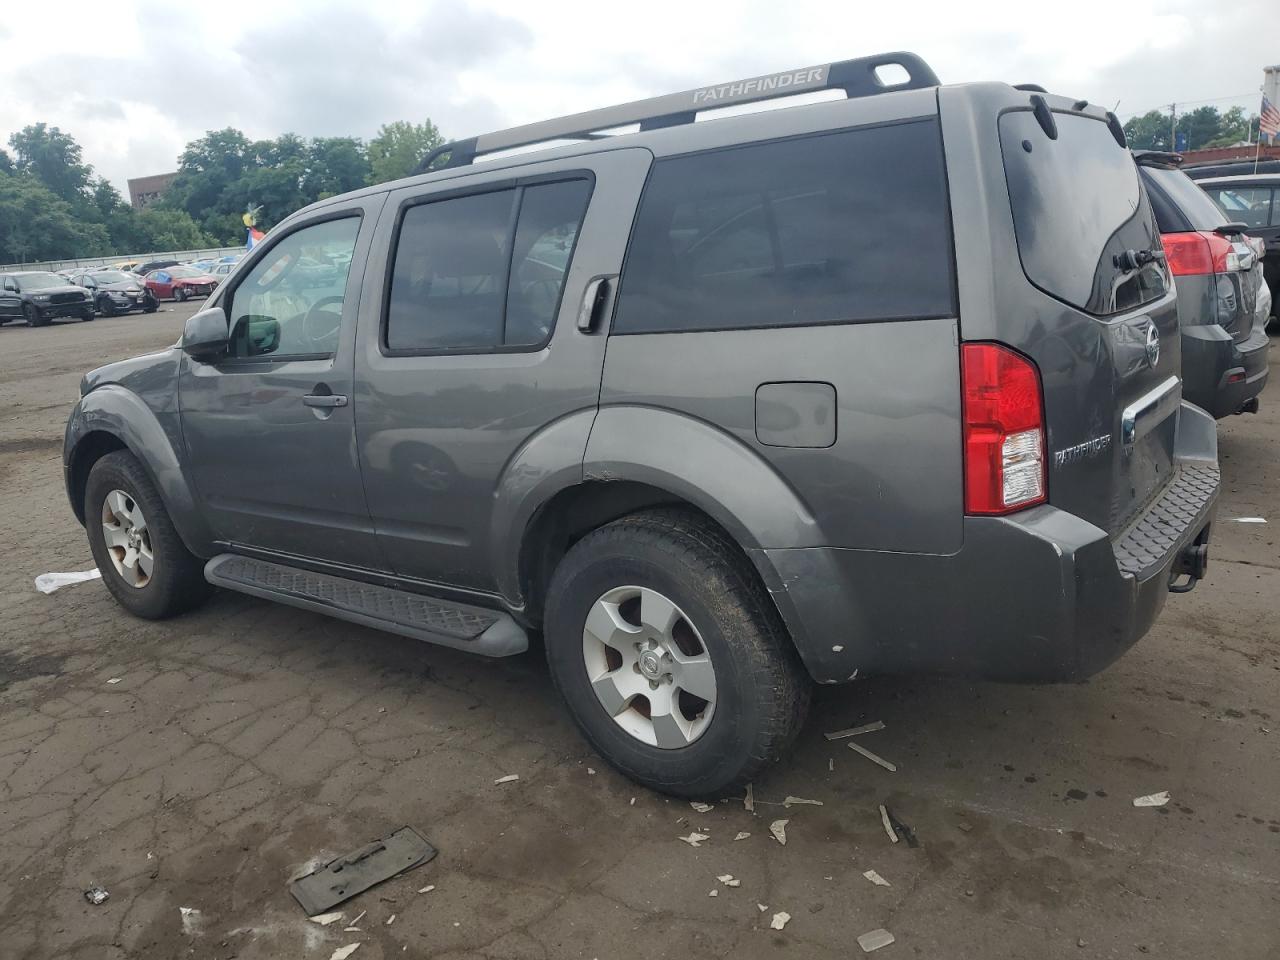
(837, 228)
(1077, 205)
(1197, 210)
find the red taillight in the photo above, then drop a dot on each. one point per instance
(1003, 421)
(1196, 254)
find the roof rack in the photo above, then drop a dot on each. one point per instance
(858, 78)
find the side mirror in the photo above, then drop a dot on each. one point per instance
(204, 336)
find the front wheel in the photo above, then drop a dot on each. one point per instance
(179, 294)
(144, 562)
(32, 316)
(106, 307)
(670, 655)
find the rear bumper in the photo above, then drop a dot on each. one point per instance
(1220, 375)
(1039, 596)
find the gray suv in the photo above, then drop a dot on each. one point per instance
(882, 384)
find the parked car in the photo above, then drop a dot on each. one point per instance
(143, 269)
(115, 291)
(40, 297)
(1254, 200)
(827, 439)
(179, 283)
(1224, 344)
(220, 271)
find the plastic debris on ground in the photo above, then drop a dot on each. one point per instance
(762, 908)
(694, 839)
(428, 888)
(831, 765)
(191, 920)
(779, 920)
(343, 952)
(701, 807)
(97, 895)
(509, 778)
(779, 830)
(115, 679)
(855, 731)
(873, 757)
(875, 939)
(875, 878)
(391, 919)
(729, 880)
(1152, 799)
(901, 829)
(353, 873)
(325, 919)
(742, 835)
(796, 801)
(888, 827)
(1248, 520)
(49, 582)
(750, 802)
(714, 893)
(591, 771)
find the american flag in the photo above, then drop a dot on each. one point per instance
(1268, 120)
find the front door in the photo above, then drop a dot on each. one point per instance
(269, 428)
(470, 346)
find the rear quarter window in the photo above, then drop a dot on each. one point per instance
(836, 228)
(1077, 203)
(1200, 212)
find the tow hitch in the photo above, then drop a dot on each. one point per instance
(1192, 562)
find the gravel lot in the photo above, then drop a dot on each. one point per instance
(247, 739)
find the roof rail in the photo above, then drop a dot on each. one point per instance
(858, 78)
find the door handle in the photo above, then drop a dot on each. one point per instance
(592, 303)
(325, 401)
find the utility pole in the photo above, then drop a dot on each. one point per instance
(1173, 126)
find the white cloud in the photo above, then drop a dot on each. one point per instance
(146, 77)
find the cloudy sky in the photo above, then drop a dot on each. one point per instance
(134, 80)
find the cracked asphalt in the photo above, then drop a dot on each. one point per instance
(247, 740)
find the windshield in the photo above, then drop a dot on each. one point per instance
(184, 273)
(39, 281)
(112, 276)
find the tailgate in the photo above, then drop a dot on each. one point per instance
(1106, 332)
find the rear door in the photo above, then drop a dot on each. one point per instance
(10, 302)
(1066, 269)
(469, 345)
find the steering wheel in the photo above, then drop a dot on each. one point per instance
(321, 326)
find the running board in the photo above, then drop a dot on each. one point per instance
(490, 633)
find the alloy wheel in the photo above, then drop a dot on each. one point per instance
(649, 667)
(124, 529)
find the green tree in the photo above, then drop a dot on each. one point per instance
(1149, 131)
(52, 157)
(37, 224)
(6, 162)
(399, 148)
(335, 165)
(163, 229)
(207, 168)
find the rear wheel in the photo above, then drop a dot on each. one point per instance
(670, 655)
(144, 562)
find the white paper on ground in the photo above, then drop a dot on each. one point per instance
(1248, 519)
(49, 582)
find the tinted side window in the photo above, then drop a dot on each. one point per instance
(290, 303)
(1249, 205)
(1077, 204)
(486, 271)
(1194, 203)
(825, 229)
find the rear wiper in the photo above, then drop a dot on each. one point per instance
(1130, 260)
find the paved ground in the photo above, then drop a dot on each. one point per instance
(247, 739)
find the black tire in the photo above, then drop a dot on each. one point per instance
(762, 690)
(32, 316)
(87, 315)
(177, 582)
(180, 294)
(106, 307)
(151, 306)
